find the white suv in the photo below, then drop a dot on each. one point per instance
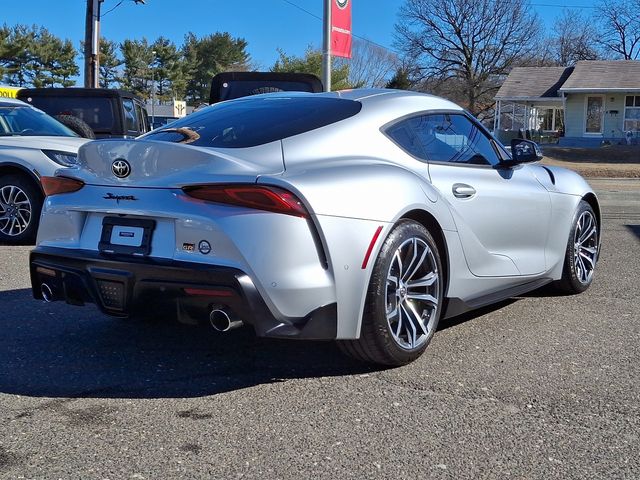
(32, 144)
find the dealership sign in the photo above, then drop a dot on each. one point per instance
(341, 28)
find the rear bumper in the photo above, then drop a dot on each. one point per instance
(122, 286)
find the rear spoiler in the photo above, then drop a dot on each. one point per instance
(229, 85)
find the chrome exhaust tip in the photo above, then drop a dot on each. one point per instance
(46, 292)
(223, 320)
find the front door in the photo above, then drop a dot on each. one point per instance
(594, 115)
(502, 215)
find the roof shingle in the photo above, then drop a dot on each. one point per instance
(533, 82)
(604, 75)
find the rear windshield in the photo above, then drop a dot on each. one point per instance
(95, 111)
(244, 88)
(255, 121)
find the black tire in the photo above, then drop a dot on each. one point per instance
(578, 270)
(378, 343)
(26, 229)
(76, 124)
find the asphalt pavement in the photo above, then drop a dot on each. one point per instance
(538, 387)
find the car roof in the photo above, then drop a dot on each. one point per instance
(13, 102)
(76, 92)
(380, 98)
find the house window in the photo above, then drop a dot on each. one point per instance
(632, 113)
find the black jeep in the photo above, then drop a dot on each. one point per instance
(108, 112)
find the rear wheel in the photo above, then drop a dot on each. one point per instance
(20, 206)
(582, 251)
(404, 299)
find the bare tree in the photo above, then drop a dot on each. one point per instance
(473, 42)
(620, 27)
(370, 65)
(573, 38)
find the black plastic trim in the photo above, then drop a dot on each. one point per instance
(456, 306)
(152, 282)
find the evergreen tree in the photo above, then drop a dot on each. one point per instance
(312, 63)
(33, 56)
(109, 64)
(167, 70)
(400, 80)
(207, 56)
(17, 54)
(137, 58)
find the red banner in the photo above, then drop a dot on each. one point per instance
(341, 28)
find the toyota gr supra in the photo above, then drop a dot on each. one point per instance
(361, 216)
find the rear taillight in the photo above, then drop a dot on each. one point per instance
(56, 185)
(260, 197)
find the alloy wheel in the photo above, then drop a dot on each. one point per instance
(15, 210)
(585, 252)
(412, 291)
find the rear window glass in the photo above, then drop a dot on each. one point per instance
(95, 111)
(244, 88)
(256, 121)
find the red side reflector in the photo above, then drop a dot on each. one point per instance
(57, 185)
(371, 245)
(260, 197)
(206, 292)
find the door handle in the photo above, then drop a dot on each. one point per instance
(461, 190)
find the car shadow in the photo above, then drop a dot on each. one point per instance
(54, 350)
(635, 229)
(473, 314)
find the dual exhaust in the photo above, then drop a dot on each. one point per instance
(221, 318)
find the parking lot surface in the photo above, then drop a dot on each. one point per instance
(537, 387)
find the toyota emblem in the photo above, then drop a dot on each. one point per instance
(121, 168)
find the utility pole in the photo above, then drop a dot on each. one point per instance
(153, 90)
(92, 44)
(326, 46)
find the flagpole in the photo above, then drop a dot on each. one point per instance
(326, 46)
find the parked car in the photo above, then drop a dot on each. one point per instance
(162, 120)
(363, 216)
(231, 85)
(32, 144)
(110, 113)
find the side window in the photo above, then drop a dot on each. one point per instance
(142, 125)
(454, 138)
(404, 134)
(130, 122)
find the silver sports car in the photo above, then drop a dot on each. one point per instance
(362, 216)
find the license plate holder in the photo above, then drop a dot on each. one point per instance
(127, 236)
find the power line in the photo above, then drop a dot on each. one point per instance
(353, 34)
(561, 6)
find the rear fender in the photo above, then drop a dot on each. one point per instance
(354, 208)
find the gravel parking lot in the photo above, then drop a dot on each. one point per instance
(537, 387)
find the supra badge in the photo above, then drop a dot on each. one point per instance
(117, 198)
(121, 168)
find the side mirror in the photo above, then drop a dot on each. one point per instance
(524, 151)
